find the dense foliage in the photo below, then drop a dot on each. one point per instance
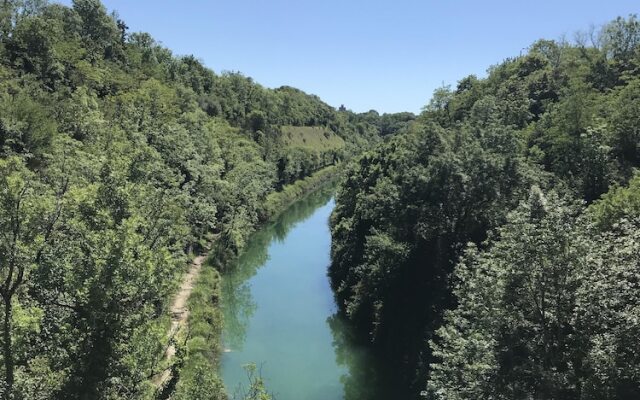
(117, 161)
(543, 302)
(487, 248)
(548, 310)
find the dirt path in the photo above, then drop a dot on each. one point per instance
(179, 316)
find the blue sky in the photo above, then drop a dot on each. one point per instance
(383, 55)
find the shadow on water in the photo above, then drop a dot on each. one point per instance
(366, 377)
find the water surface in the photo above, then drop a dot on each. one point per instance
(280, 312)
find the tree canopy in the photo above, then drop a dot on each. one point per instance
(119, 161)
(534, 167)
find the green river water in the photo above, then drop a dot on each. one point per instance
(280, 313)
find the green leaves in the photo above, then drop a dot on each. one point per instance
(119, 161)
(514, 299)
(403, 215)
(548, 309)
(562, 118)
(619, 203)
(25, 126)
(608, 313)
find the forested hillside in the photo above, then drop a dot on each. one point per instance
(487, 248)
(491, 250)
(118, 161)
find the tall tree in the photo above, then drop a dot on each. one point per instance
(29, 212)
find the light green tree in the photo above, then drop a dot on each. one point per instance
(29, 213)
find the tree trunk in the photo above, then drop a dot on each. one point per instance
(7, 350)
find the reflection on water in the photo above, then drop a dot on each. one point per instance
(366, 378)
(238, 303)
(280, 313)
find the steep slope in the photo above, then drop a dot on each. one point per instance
(562, 119)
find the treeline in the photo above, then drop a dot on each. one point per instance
(491, 250)
(118, 160)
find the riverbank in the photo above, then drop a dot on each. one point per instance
(196, 343)
(277, 202)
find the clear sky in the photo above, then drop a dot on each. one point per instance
(383, 55)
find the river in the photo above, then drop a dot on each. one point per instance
(280, 312)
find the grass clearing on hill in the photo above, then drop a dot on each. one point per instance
(317, 138)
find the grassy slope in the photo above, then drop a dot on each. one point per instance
(311, 137)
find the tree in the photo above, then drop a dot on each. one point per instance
(32, 46)
(8, 15)
(256, 389)
(98, 30)
(608, 313)
(617, 204)
(549, 310)
(513, 333)
(438, 107)
(25, 127)
(621, 37)
(626, 126)
(403, 215)
(29, 212)
(202, 385)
